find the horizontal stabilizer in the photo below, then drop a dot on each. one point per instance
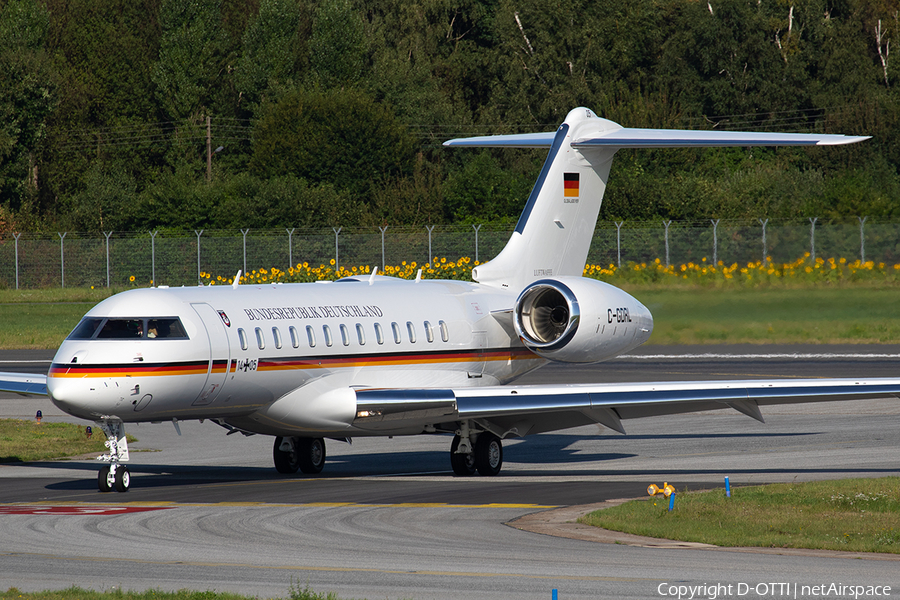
(622, 137)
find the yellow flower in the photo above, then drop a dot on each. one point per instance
(131, 279)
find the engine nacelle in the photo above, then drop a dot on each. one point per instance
(573, 319)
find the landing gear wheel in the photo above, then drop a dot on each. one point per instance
(286, 462)
(463, 464)
(311, 454)
(106, 479)
(122, 479)
(488, 454)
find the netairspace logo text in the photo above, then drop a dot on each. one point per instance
(712, 591)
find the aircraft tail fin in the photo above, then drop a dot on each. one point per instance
(554, 232)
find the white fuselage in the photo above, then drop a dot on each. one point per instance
(284, 359)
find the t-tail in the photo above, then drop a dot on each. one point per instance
(554, 232)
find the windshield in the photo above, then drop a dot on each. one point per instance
(133, 328)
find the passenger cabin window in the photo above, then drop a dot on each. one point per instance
(311, 336)
(260, 340)
(360, 334)
(242, 335)
(379, 334)
(411, 330)
(295, 337)
(345, 335)
(445, 332)
(276, 335)
(326, 330)
(429, 332)
(132, 328)
(396, 329)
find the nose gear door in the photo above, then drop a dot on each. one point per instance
(219, 353)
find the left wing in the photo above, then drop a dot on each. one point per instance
(25, 384)
(528, 409)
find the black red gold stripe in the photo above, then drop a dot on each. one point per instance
(196, 367)
(289, 363)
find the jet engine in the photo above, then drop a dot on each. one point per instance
(573, 319)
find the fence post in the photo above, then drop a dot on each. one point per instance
(62, 259)
(666, 224)
(430, 229)
(244, 233)
(17, 236)
(862, 239)
(715, 242)
(476, 228)
(107, 256)
(153, 256)
(765, 248)
(382, 230)
(290, 233)
(337, 263)
(812, 238)
(198, 254)
(619, 243)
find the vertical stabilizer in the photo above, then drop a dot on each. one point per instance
(554, 232)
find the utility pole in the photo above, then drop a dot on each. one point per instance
(208, 149)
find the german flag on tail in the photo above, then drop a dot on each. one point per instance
(570, 185)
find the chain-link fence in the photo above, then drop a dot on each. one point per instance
(70, 259)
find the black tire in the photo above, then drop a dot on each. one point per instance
(285, 462)
(463, 464)
(311, 452)
(104, 481)
(123, 479)
(488, 454)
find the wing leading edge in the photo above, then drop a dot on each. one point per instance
(24, 384)
(521, 410)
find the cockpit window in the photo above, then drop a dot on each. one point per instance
(166, 328)
(86, 329)
(129, 329)
(119, 329)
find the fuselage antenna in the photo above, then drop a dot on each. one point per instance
(237, 280)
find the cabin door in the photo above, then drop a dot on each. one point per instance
(219, 353)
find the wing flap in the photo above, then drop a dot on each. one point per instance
(25, 384)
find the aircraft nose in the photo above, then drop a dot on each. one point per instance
(73, 397)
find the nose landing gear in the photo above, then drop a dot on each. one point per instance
(114, 475)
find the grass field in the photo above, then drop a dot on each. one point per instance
(701, 315)
(74, 593)
(858, 515)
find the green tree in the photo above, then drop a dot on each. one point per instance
(270, 53)
(191, 57)
(337, 46)
(107, 119)
(28, 98)
(343, 138)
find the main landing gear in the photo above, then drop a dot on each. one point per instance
(114, 476)
(485, 456)
(295, 453)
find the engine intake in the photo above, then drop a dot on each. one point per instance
(547, 315)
